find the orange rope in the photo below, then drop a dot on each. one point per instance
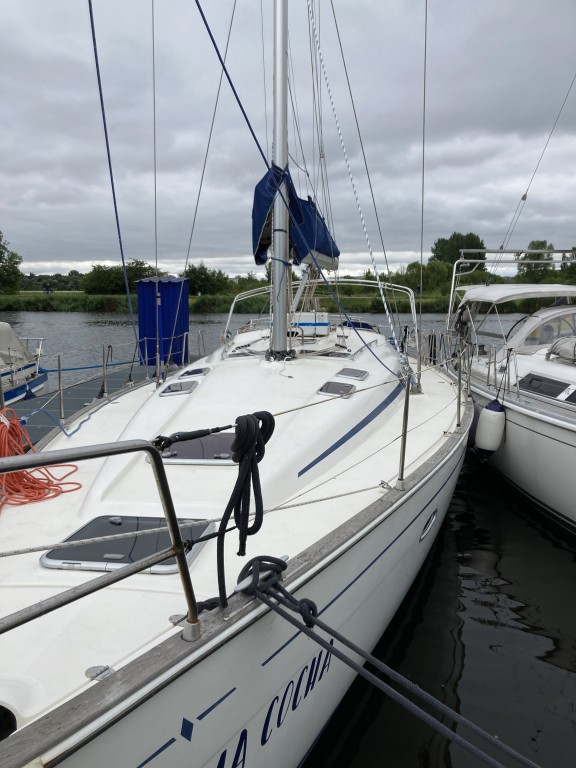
(26, 486)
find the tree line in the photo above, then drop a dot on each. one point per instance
(432, 279)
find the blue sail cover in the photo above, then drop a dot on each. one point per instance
(310, 239)
(163, 318)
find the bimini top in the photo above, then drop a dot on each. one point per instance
(500, 293)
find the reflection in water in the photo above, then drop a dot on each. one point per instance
(488, 629)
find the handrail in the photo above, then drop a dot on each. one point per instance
(332, 281)
(72, 455)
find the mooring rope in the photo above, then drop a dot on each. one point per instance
(265, 574)
(252, 433)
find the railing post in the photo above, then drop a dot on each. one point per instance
(32, 460)
(104, 372)
(61, 390)
(400, 480)
(459, 398)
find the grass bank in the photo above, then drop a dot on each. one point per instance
(76, 301)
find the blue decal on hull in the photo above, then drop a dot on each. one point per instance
(364, 570)
(354, 431)
(158, 752)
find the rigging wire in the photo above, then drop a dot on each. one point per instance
(202, 175)
(385, 255)
(337, 122)
(109, 155)
(522, 201)
(155, 175)
(424, 78)
(423, 177)
(364, 157)
(154, 140)
(265, 159)
(264, 84)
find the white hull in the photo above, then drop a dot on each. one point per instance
(27, 383)
(351, 531)
(258, 698)
(528, 367)
(536, 456)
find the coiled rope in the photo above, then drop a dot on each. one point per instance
(265, 573)
(252, 433)
(24, 487)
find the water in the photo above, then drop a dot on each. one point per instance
(488, 628)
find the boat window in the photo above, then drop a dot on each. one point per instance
(212, 449)
(195, 372)
(361, 324)
(541, 385)
(336, 388)
(109, 555)
(179, 388)
(552, 329)
(353, 373)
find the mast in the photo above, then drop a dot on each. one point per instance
(280, 216)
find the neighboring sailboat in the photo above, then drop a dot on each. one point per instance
(182, 665)
(20, 372)
(523, 378)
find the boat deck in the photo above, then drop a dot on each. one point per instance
(42, 413)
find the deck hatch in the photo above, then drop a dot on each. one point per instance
(109, 555)
(353, 373)
(179, 388)
(195, 372)
(336, 388)
(540, 385)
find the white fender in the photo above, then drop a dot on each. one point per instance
(490, 428)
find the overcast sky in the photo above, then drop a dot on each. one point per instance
(498, 73)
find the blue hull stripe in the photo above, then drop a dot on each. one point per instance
(354, 431)
(367, 567)
(16, 393)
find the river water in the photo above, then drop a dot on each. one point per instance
(489, 627)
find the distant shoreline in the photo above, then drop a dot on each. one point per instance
(77, 301)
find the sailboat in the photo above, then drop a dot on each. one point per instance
(522, 377)
(162, 613)
(20, 373)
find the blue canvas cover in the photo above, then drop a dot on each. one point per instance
(308, 230)
(170, 317)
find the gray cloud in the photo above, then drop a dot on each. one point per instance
(497, 76)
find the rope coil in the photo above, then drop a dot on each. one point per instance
(24, 487)
(252, 433)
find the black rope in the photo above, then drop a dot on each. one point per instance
(163, 442)
(252, 433)
(277, 598)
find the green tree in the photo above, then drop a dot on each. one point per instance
(448, 249)
(568, 266)
(203, 281)
(437, 277)
(536, 273)
(10, 274)
(103, 280)
(411, 276)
